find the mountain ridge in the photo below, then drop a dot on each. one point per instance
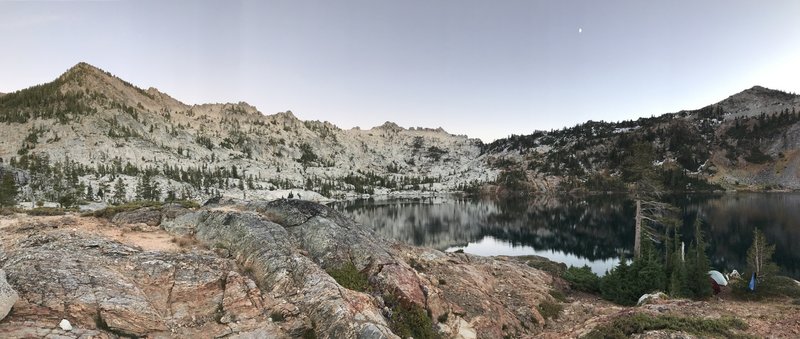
(110, 129)
(110, 121)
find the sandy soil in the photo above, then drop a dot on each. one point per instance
(145, 237)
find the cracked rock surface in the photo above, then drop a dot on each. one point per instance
(251, 270)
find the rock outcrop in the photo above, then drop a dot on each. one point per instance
(148, 216)
(7, 296)
(260, 270)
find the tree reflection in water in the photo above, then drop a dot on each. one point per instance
(588, 229)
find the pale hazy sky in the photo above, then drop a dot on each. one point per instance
(482, 68)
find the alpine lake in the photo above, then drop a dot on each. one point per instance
(594, 230)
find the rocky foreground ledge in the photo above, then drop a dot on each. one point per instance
(277, 269)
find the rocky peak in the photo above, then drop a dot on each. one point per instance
(390, 126)
(84, 68)
(286, 116)
(759, 93)
(757, 100)
(86, 76)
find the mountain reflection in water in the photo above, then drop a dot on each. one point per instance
(593, 230)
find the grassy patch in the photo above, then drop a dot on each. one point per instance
(45, 211)
(408, 319)
(186, 203)
(185, 241)
(556, 269)
(110, 211)
(10, 210)
(349, 277)
(623, 327)
(777, 287)
(558, 295)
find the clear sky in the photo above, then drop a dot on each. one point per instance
(487, 69)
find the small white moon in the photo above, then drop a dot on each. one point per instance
(580, 30)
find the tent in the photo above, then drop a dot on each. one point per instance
(718, 277)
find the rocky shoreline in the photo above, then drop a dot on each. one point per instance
(294, 269)
(252, 270)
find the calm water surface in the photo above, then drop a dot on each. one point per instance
(592, 230)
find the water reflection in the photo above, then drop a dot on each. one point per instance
(593, 230)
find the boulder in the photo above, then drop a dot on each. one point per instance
(8, 297)
(652, 298)
(183, 224)
(149, 215)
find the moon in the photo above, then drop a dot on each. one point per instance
(580, 30)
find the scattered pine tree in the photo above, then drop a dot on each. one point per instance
(8, 190)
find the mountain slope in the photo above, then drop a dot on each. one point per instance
(103, 127)
(747, 141)
(91, 135)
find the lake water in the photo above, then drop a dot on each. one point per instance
(593, 230)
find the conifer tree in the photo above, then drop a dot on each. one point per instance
(697, 266)
(119, 191)
(678, 276)
(147, 189)
(89, 193)
(8, 190)
(759, 258)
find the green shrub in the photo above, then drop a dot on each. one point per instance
(409, 319)
(624, 327)
(558, 295)
(110, 211)
(582, 279)
(775, 287)
(625, 283)
(555, 269)
(309, 333)
(276, 316)
(349, 277)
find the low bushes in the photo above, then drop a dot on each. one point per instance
(582, 279)
(110, 211)
(409, 320)
(349, 277)
(624, 327)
